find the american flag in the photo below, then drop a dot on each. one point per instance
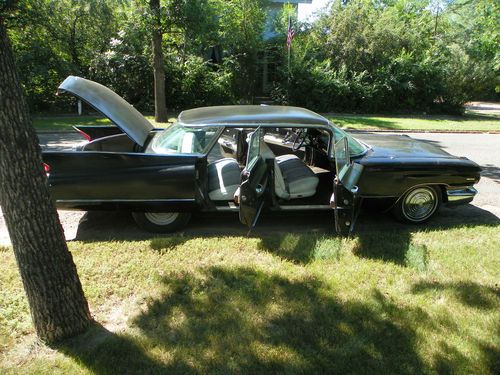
(290, 33)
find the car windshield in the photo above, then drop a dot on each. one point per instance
(179, 139)
(355, 147)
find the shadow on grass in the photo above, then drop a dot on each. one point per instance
(298, 238)
(388, 123)
(237, 319)
(468, 293)
(348, 122)
(242, 320)
(302, 248)
(106, 353)
(381, 237)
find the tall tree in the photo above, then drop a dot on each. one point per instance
(158, 67)
(242, 23)
(57, 303)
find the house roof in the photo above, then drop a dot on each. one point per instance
(251, 114)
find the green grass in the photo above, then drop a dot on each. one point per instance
(66, 123)
(468, 122)
(402, 301)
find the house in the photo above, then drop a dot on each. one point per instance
(274, 9)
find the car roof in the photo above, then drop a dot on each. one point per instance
(252, 115)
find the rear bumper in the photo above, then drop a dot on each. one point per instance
(460, 196)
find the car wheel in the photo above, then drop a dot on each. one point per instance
(161, 222)
(418, 204)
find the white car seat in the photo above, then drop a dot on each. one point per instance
(223, 179)
(292, 178)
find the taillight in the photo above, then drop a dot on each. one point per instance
(46, 168)
(87, 137)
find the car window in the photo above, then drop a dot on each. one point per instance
(341, 156)
(355, 147)
(253, 147)
(225, 147)
(178, 139)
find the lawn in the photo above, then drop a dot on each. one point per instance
(402, 302)
(66, 123)
(468, 122)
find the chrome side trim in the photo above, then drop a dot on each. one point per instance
(461, 195)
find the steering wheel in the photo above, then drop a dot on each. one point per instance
(299, 140)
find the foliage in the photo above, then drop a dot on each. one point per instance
(362, 55)
(391, 56)
(52, 39)
(196, 83)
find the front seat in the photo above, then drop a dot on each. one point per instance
(292, 178)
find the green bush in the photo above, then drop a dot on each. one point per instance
(196, 83)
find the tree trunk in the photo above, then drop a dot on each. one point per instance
(57, 303)
(158, 68)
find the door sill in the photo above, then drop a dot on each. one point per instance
(305, 207)
(230, 207)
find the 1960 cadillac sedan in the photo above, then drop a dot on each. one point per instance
(247, 159)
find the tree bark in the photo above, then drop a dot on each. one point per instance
(158, 68)
(57, 303)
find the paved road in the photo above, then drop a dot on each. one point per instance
(482, 148)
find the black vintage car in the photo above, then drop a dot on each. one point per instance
(245, 159)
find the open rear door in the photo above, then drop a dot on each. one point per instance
(345, 199)
(254, 180)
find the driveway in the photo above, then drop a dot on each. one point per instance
(482, 148)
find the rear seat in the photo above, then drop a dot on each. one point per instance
(292, 177)
(300, 181)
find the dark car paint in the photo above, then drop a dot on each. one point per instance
(394, 164)
(400, 146)
(137, 181)
(102, 180)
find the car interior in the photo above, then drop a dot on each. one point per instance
(298, 158)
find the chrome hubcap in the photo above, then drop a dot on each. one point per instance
(161, 218)
(419, 204)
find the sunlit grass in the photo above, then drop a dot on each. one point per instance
(468, 122)
(66, 123)
(380, 302)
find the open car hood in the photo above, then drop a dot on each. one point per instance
(111, 105)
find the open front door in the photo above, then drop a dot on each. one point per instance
(345, 199)
(254, 180)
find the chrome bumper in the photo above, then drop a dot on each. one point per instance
(461, 196)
